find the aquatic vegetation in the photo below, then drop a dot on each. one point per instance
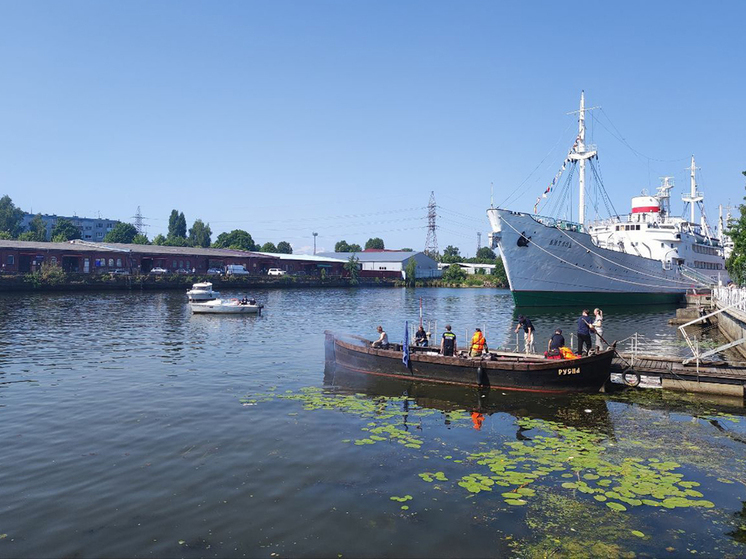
(635, 470)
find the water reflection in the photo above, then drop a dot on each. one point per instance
(577, 410)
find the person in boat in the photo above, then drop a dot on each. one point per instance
(584, 332)
(252, 301)
(448, 342)
(244, 301)
(598, 328)
(478, 344)
(528, 332)
(383, 339)
(420, 337)
(555, 343)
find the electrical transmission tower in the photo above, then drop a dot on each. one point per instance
(138, 221)
(479, 240)
(431, 243)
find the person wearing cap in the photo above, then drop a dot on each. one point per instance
(478, 343)
(528, 332)
(448, 343)
(555, 342)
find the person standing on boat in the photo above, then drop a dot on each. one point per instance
(598, 327)
(584, 332)
(478, 344)
(383, 339)
(448, 343)
(420, 337)
(528, 332)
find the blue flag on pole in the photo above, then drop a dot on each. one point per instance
(405, 348)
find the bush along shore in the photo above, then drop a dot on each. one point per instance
(57, 280)
(53, 278)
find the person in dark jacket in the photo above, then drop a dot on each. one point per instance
(448, 343)
(584, 332)
(420, 337)
(555, 342)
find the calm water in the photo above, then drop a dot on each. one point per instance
(132, 428)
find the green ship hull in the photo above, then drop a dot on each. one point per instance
(592, 299)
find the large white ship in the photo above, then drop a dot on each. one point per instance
(645, 257)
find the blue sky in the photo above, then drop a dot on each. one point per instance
(340, 117)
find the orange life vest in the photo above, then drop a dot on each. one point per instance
(477, 342)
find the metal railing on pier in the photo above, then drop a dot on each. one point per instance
(734, 297)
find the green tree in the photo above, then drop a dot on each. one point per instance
(410, 272)
(64, 230)
(200, 234)
(485, 255)
(121, 233)
(498, 273)
(407, 249)
(352, 267)
(176, 242)
(454, 274)
(140, 239)
(158, 239)
(736, 263)
(37, 231)
(450, 255)
(269, 247)
(283, 247)
(342, 246)
(176, 225)
(10, 217)
(5, 236)
(374, 242)
(238, 239)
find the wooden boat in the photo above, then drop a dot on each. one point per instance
(496, 370)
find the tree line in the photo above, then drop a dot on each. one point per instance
(199, 235)
(736, 262)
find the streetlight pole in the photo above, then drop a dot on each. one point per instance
(314, 241)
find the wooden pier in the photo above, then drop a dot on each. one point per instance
(668, 373)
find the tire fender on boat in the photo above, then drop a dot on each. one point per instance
(630, 377)
(481, 377)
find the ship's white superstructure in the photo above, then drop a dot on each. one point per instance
(647, 256)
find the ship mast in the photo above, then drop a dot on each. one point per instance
(580, 154)
(694, 196)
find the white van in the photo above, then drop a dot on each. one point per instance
(236, 270)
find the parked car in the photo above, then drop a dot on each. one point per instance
(119, 272)
(236, 270)
(182, 271)
(158, 271)
(276, 272)
(215, 272)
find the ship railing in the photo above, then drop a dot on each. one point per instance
(562, 224)
(695, 276)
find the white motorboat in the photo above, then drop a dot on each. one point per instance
(202, 292)
(229, 306)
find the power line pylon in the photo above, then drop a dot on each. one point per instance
(431, 242)
(138, 221)
(479, 240)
